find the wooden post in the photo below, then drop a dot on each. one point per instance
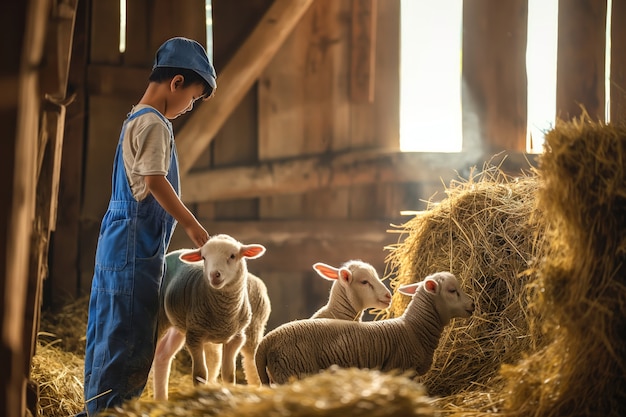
(580, 77)
(618, 63)
(363, 50)
(494, 95)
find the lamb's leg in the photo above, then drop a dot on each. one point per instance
(253, 338)
(229, 358)
(171, 342)
(198, 362)
(249, 366)
(213, 355)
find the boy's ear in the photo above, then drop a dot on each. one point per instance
(177, 81)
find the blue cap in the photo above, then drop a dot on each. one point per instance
(185, 53)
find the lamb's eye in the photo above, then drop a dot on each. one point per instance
(364, 282)
(232, 256)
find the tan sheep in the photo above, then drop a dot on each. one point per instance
(204, 304)
(356, 288)
(408, 342)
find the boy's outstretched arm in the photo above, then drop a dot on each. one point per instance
(165, 195)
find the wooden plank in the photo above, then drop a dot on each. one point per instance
(237, 77)
(494, 96)
(581, 46)
(377, 124)
(304, 174)
(363, 47)
(115, 81)
(618, 62)
(176, 18)
(105, 32)
(139, 51)
(65, 244)
(31, 24)
(304, 106)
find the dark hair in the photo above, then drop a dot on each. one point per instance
(163, 74)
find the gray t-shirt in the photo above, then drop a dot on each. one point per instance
(146, 149)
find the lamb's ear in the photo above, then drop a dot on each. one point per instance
(345, 276)
(431, 285)
(191, 256)
(409, 289)
(326, 271)
(252, 251)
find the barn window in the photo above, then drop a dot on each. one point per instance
(209, 28)
(541, 52)
(430, 74)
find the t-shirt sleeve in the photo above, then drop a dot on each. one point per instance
(152, 150)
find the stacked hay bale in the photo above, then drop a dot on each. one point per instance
(332, 393)
(580, 297)
(484, 232)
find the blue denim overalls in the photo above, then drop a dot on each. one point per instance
(121, 330)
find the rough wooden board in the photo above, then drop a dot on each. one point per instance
(105, 32)
(580, 59)
(494, 75)
(330, 171)
(295, 245)
(618, 62)
(363, 47)
(237, 77)
(65, 244)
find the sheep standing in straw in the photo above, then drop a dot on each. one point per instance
(205, 304)
(356, 287)
(408, 342)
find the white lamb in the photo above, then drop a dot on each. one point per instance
(408, 342)
(356, 287)
(204, 303)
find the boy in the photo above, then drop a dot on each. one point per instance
(145, 207)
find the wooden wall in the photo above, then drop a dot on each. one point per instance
(298, 150)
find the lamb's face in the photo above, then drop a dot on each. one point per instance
(367, 290)
(224, 259)
(453, 300)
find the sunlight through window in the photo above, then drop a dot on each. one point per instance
(541, 54)
(430, 76)
(122, 45)
(209, 28)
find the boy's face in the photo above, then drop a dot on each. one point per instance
(181, 98)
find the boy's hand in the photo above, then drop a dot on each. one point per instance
(198, 235)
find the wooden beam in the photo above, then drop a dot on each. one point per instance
(299, 175)
(293, 246)
(237, 77)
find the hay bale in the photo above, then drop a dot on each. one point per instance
(334, 392)
(484, 232)
(580, 294)
(59, 375)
